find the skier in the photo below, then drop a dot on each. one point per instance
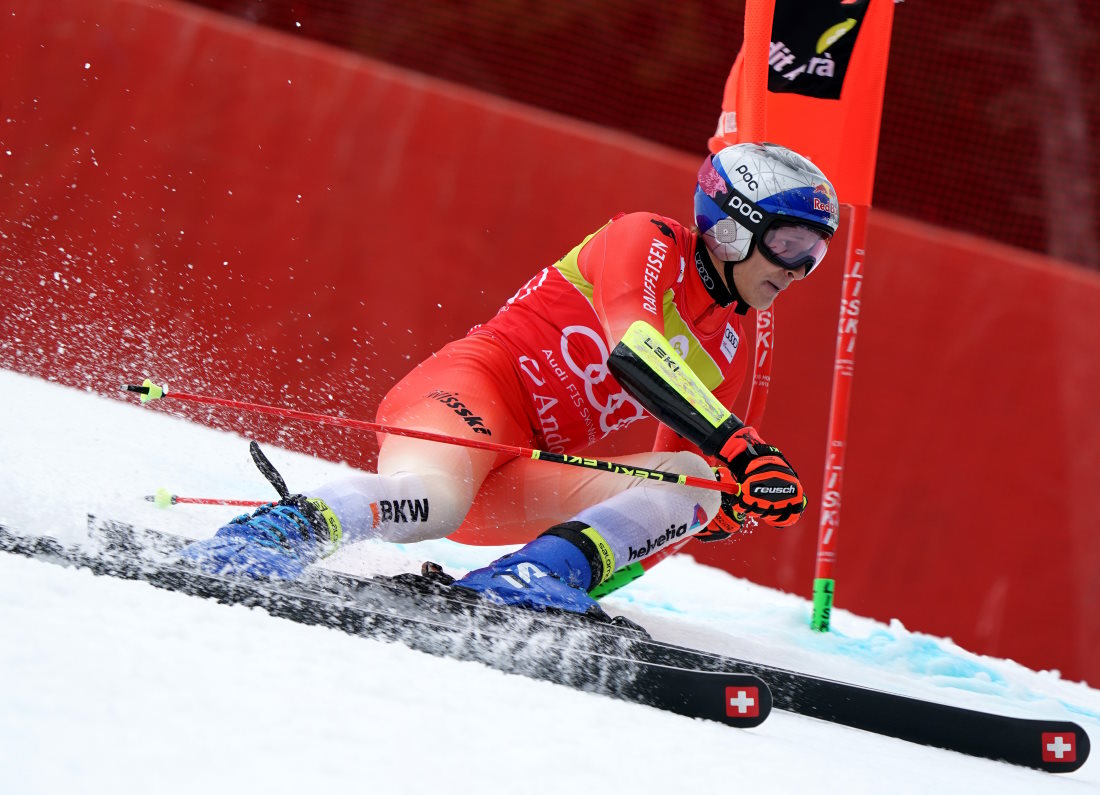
(559, 367)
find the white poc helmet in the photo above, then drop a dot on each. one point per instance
(748, 191)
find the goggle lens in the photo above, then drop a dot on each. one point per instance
(795, 246)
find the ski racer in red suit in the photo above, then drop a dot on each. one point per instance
(562, 365)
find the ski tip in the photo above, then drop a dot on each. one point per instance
(747, 702)
(1064, 747)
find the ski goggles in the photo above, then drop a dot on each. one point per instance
(783, 239)
(793, 245)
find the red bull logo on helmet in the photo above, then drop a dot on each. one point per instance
(825, 199)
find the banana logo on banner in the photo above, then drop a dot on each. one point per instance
(812, 45)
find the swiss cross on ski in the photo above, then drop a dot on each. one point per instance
(1059, 747)
(742, 702)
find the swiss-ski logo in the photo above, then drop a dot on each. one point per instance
(459, 408)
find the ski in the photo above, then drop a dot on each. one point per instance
(558, 650)
(616, 657)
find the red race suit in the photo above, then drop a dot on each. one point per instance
(536, 375)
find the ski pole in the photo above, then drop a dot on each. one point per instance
(164, 498)
(150, 391)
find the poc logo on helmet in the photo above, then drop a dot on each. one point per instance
(750, 180)
(736, 203)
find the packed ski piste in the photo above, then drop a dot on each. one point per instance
(483, 444)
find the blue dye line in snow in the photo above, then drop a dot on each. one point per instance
(924, 656)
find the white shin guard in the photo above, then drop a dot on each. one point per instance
(642, 520)
(400, 507)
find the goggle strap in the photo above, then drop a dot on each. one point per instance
(745, 211)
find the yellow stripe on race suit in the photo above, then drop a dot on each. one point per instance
(677, 331)
(661, 357)
(684, 342)
(570, 268)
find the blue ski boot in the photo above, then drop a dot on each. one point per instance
(555, 571)
(277, 540)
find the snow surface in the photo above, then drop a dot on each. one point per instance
(116, 687)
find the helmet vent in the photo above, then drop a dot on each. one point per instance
(725, 231)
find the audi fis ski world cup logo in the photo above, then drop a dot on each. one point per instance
(812, 46)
